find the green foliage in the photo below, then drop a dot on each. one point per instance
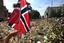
(35, 14)
(63, 13)
(58, 14)
(53, 13)
(43, 17)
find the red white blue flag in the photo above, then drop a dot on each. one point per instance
(24, 20)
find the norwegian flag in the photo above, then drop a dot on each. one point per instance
(24, 17)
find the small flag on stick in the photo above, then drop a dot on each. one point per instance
(24, 20)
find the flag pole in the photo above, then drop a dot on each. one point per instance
(19, 24)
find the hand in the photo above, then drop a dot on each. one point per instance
(6, 40)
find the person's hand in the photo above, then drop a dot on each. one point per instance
(6, 40)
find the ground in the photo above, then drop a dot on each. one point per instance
(43, 30)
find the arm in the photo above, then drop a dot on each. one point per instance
(6, 40)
